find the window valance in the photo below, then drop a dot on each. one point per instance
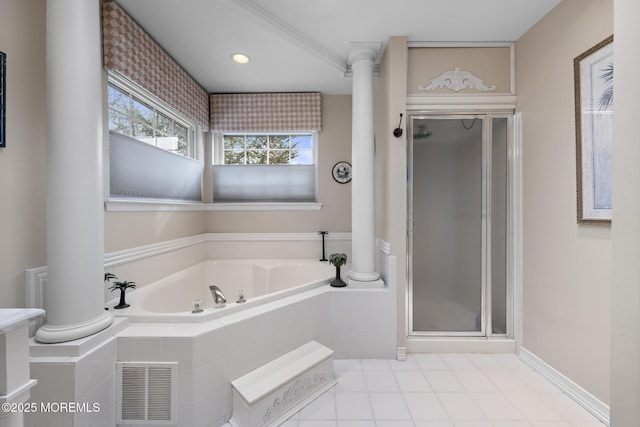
(266, 112)
(130, 51)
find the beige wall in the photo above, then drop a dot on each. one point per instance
(124, 230)
(23, 161)
(334, 144)
(391, 164)
(129, 229)
(625, 295)
(566, 266)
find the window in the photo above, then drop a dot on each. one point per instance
(131, 116)
(265, 167)
(151, 147)
(268, 149)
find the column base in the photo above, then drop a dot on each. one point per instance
(48, 334)
(373, 284)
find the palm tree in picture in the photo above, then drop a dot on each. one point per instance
(606, 98)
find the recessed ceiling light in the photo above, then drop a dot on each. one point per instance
(240, 58)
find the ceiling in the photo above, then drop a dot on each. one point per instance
(303, 45)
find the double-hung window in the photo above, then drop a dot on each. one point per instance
(151, 147)
(131, 116)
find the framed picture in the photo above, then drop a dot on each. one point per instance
(3, 99)
(593, 75)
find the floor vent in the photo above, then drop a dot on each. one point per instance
(147, 393)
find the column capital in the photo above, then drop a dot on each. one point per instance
(364, 51)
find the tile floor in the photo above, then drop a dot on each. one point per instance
(441, 390)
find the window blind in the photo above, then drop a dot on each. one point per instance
(264, 183)
(142, 171)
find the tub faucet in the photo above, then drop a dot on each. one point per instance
(218, 296)
(323, 233)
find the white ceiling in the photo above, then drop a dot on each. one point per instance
(302, 45)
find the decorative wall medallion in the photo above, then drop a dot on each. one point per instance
(457, 80)
(298, 390)
(342, 172)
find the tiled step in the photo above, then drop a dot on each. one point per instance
(272, 393)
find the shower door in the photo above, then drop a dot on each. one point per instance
(458, 225)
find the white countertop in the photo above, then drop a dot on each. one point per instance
(11, 318)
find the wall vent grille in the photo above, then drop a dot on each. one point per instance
(147, 393)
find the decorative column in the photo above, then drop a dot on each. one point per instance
(75, 215)
(362, 57)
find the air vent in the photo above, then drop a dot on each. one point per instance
(147, 393)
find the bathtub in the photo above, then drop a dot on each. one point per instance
(173, 298)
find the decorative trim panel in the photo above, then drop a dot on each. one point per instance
(297, 391)
(457, 80)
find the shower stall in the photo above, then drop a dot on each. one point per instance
(458, 226)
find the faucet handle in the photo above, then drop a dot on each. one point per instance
(241, 297)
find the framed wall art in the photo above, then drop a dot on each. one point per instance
(593, 75)
(3, 99)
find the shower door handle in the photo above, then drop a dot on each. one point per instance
(411, 225)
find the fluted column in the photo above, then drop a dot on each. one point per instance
(362, 58)
(75, 215)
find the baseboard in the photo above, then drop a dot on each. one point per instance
(401, 354)
(585, 399)
(460, 345)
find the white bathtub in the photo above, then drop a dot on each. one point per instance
(172, 298)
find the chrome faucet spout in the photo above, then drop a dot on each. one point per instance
(218, 296)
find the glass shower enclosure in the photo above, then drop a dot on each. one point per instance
(458, 226)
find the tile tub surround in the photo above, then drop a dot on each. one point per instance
(212, 354)
(87, 379)
(352, 322)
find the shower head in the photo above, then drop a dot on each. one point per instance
(423, 133)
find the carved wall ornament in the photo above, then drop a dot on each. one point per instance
(457, 80)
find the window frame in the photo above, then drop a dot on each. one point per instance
(159, 107)
(218, 144)
(218, 159)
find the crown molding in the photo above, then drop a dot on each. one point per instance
(276, 25)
